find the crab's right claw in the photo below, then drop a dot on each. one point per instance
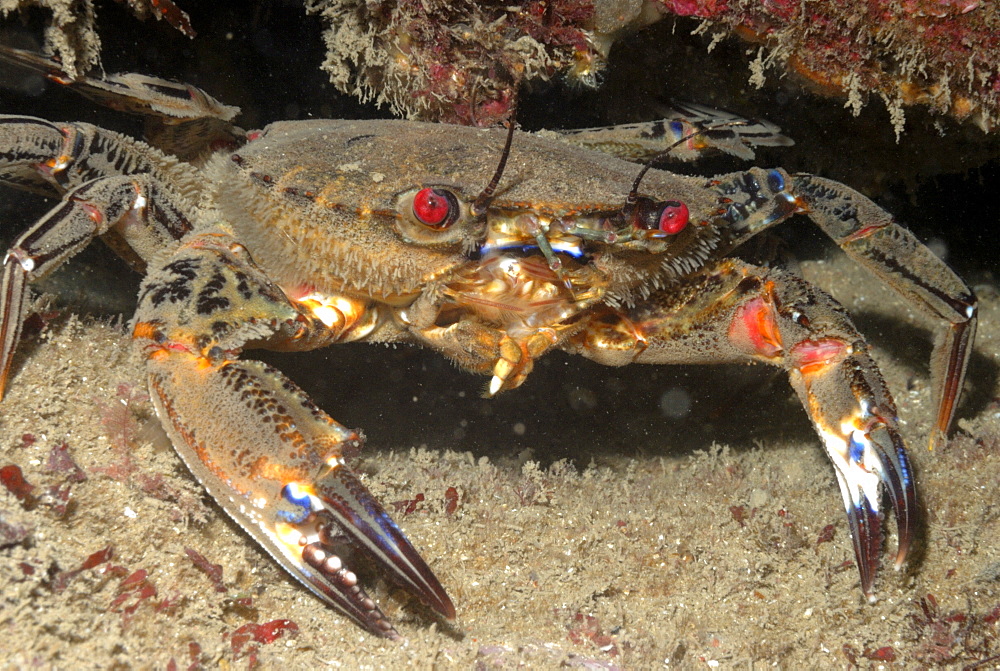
(853, 412)
(867, 452)
(273, 461)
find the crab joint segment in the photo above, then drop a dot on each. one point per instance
(517, 359)
(344, 319)
(754, 327)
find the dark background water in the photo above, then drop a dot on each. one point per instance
(939, 180)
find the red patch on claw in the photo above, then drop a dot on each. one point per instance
(755, 330)
(812, 356)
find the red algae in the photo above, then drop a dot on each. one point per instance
(463, 64)
(928, 52)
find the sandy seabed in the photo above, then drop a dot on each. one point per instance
(685, 556)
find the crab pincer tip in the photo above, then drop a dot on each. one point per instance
(366, 523)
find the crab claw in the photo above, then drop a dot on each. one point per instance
(850, 406)
(273, 461)
(864, 457)
(309, 520)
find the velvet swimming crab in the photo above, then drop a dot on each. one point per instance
(491, 247)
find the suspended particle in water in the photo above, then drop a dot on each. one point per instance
(675, 403)
(581, 399)
(939, 247)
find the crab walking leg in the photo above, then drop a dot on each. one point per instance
(132, 93)
(111, 189)
(868, 234)
(736, 312)
(687, 131)
(255, 441)
(86, 212)
(53, 158)
(180, 119)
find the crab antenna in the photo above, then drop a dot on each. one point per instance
(633, 195)
(483, 199)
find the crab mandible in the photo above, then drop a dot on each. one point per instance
(320, 232)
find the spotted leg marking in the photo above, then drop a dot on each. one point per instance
(735, 312)
(271, 458)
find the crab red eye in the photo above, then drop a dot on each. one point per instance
(435, 208)
(673, 217)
